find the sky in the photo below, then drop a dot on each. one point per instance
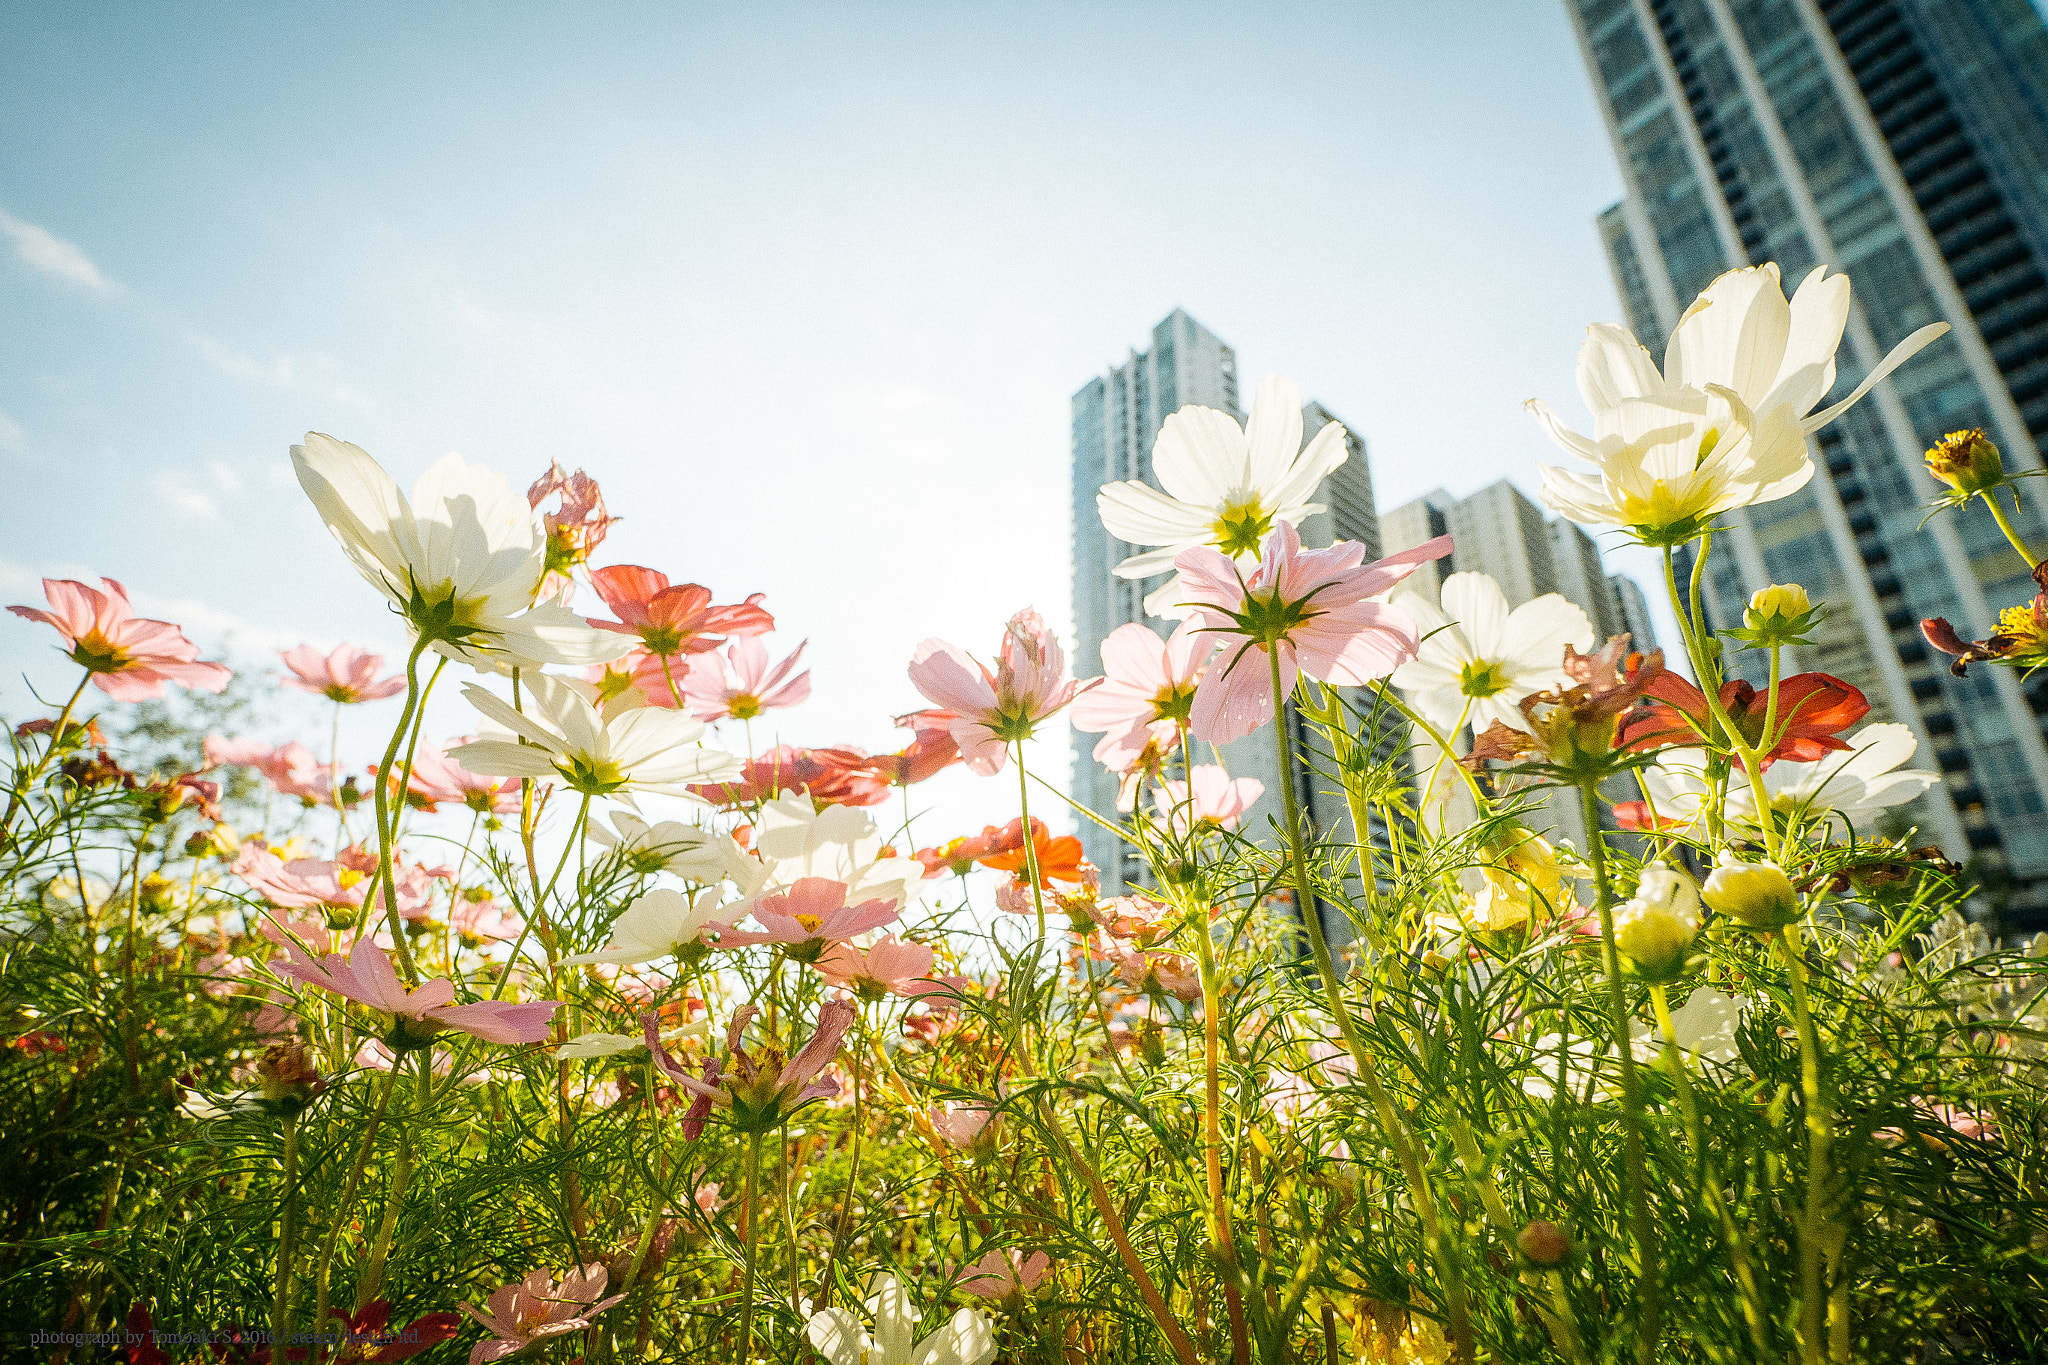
(807, 287)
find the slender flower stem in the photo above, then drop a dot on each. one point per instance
(334, 790)
(401, 1177)
(339, 1218)
(1648, 1295)
(1212, 1130)
(1820, 1132)
(1998, 515)
(1710, 1179)
(22, 788)
(844, 1230)
(287, 1236)
(753, 1239)
(1031, 856)
(1333, 993)
(387, 879)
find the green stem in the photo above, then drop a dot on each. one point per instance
(1031, 857)
(1647, 1290)
(1688, 1104)
(348, 1198)
(1813, 1227)
(287, 1239)
(21, 789)
(1998, 515)
(394, 1201)
(753, 1239)
(1333, 993)
(387, 879)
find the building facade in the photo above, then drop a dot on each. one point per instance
(1904, 143)
(1116, 418)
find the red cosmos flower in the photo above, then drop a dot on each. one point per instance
(830, 777)
(673, 620)
(933, 750)
(1813, 709)
(959, 856)
(1059, 860)
(381, 1344)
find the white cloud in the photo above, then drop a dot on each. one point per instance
(176, 490)
(224, 476)
(315, 372)
(46, 251)
(13, 440)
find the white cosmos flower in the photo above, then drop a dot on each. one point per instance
(1723, 424)
(1857, 784)
(966, 1339)
(1476, 651)
(660, 924)
(1705, 1026)
(690, 851)
(1225, 486)
(461, 559)
(586, 1046)
(646, 749)
(794, 840)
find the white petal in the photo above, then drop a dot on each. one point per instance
(1538, 631)
(837, 1336)
(1140, 514)
(1480, 608)
(1199, 457)
(1273, 433)
(1901, 353)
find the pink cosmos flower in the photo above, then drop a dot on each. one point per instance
(748, 687)
(349, 674)
(478, 922)
(130, 657)
(1317, 607)
(1219, 799)
(537, 1309)
(437, 778)
(291, 768)
(930, 752)
(810, 914)
(960, 1125)
(1002, 1273)
(1148, 687)
(1173, 974)
(335, 887)
(574, 530)
(993, 710)
(677, 620)
(891, 967)
(762, 1091)
(366, 976)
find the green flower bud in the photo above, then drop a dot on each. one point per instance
(1657, 926)
(1759, 896)
(1967, 461)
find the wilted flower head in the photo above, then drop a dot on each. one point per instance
(1572, 730)
(574, 529)
(1968, 461)
(130, 657)
(760, 1087)
(1813, 709)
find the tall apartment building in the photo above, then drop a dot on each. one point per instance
(1905, 143)
(1116, 418)
(1501, 532)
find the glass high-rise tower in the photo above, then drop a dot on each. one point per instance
(1904, 143)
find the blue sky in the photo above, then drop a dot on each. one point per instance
(807, 287)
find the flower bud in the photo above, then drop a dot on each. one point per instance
(1656, 927)
(1757, 895)
(287, 1077)
(1776, 604)
(1967, 461)
(1543, 1243)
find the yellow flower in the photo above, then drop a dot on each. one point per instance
(1967, 461)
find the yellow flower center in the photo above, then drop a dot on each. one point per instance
(1483, 678)
(1175, 701)
(2020, 626)
(1241, 527)
(348, 877)
(99, 654)
(809, 922)
(744, 707)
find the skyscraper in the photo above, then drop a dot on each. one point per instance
(1905, 143)
(1116, 418)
